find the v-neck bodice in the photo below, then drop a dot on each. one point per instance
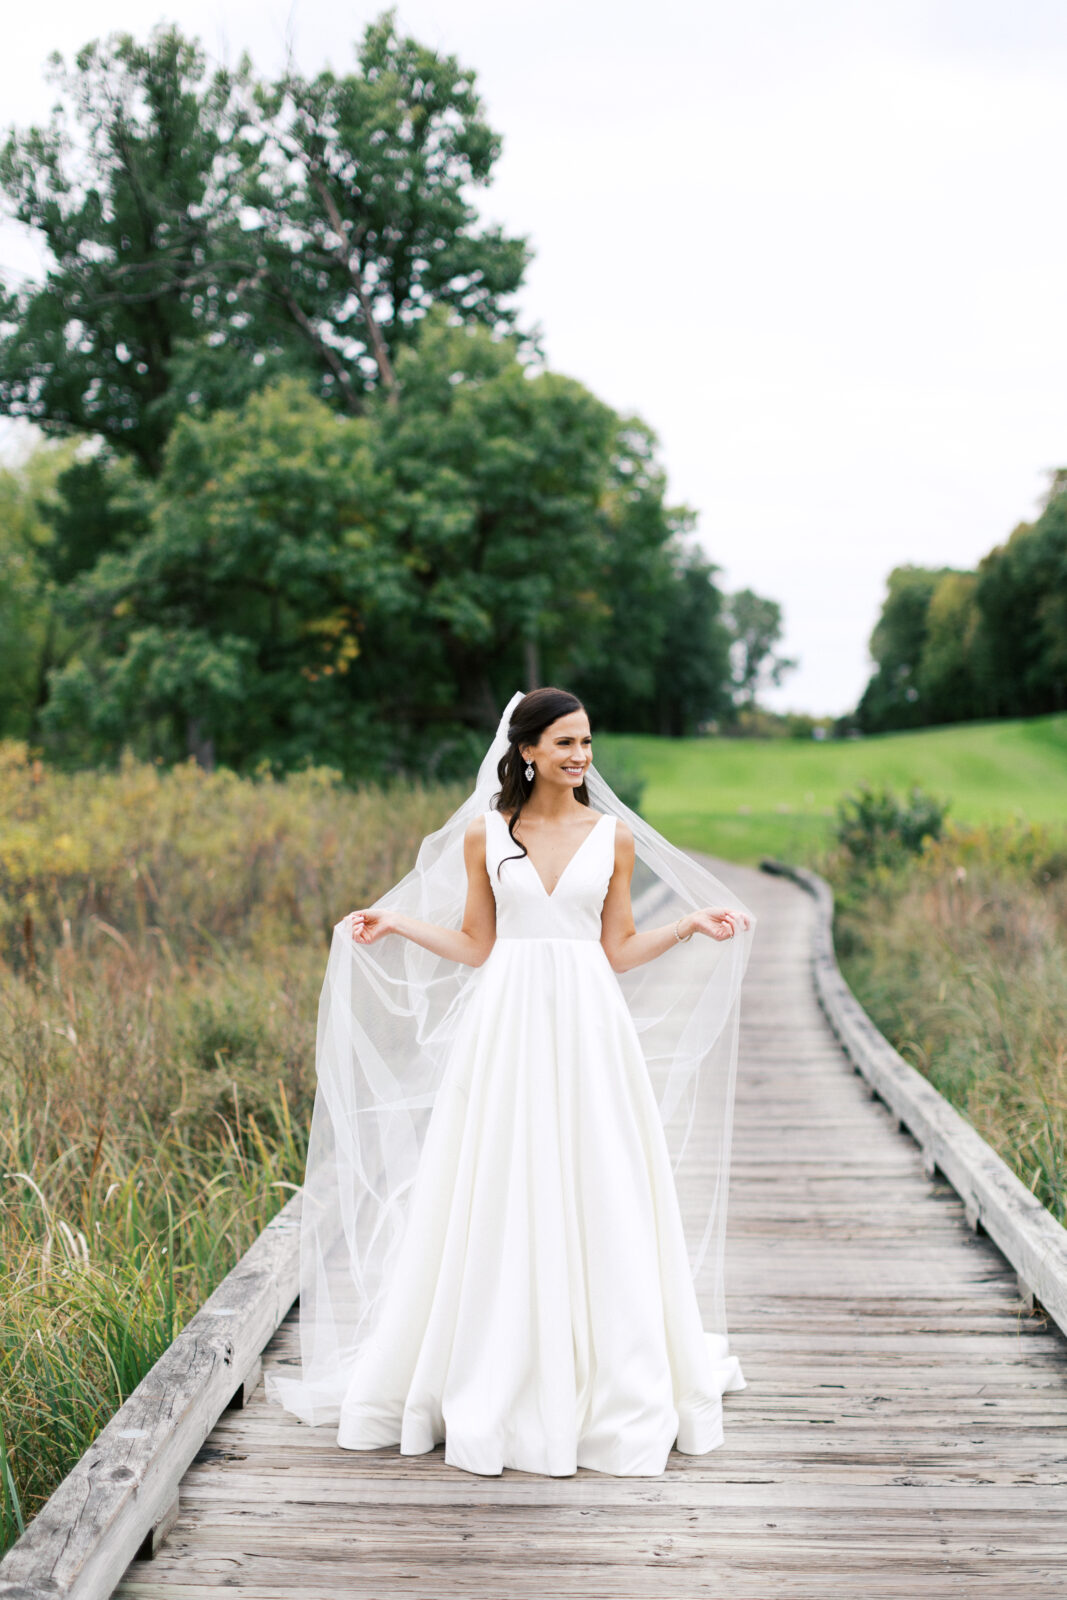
(524, 907)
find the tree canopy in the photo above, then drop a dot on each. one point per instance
(306, 577)
(951, 646)
(208, 231)
(319, 483)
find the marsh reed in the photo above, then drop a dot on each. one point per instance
(960, 957)
(163, 936)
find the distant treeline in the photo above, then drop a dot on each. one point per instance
(953, 646)
(320, 499)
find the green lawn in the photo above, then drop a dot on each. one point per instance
(743, 798)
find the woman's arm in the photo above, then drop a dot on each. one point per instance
(624, 946)
(470, 943)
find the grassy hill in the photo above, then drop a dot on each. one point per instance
(743, 798)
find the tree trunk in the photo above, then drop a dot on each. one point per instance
(347, 256)
(531, 663)
(40, 695)
(200, 745)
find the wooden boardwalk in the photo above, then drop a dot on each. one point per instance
(904, 1431)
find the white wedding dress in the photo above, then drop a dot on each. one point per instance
(541, 1313)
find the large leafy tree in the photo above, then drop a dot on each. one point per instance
(27, 608)
(207, 232)
(234, 263)
(754, 627)
(225, 630)
(362, 212)
(1021, 593)
(949, 645)
(124, 188)
(952, 674)
(891, 698)
(307, 575)
(59, 506)
(363, 590)
(496, 477)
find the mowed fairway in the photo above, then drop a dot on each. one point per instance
(743, 798)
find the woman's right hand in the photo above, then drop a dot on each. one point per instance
(369, 925)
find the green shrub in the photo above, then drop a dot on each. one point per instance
(876, 829)
(624, 776)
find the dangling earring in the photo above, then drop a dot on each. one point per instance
(529, 773)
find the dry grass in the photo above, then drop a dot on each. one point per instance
(961, 960)
(162, 941)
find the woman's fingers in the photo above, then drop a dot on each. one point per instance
(725, 922)
(368, 926)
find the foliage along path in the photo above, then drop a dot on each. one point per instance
(901, 1433)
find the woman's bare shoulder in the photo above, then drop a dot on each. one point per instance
(474, 833)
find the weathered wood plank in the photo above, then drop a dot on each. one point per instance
(993, 1197)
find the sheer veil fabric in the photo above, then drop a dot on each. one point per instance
(388, 1014)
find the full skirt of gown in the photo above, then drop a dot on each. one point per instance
(541, 1313)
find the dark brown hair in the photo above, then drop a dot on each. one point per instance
(533, 714)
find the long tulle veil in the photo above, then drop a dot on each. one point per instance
(387, 1016)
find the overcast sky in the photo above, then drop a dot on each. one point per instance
(818, 245)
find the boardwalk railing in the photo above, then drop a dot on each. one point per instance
(121, 1498)
(995, 1201)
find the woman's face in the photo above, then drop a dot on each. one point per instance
(563, 754)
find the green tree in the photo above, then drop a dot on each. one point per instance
(362, 209)
(124, 189)
(366, 591)
(207, 233)
(307, 576)
(28, 624)
(1022, 596)
(754, 628)
(951, 668)
(891, 698)
(226, 630)
(954, 645)
(496, 477)
(59, 507)
(99, 502)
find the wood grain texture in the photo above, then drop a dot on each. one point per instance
(994, 1200)
(904, 1431)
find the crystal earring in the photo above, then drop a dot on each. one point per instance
(529, 773)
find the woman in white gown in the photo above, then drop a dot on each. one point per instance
(537, 1308)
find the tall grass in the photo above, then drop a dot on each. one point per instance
(960, 957)
(162, 941)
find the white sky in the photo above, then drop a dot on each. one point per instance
(819, 245)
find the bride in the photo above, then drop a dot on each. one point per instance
(514, 1094)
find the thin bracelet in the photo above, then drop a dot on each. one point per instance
(678, 936)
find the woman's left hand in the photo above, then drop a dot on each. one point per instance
(717, 922)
